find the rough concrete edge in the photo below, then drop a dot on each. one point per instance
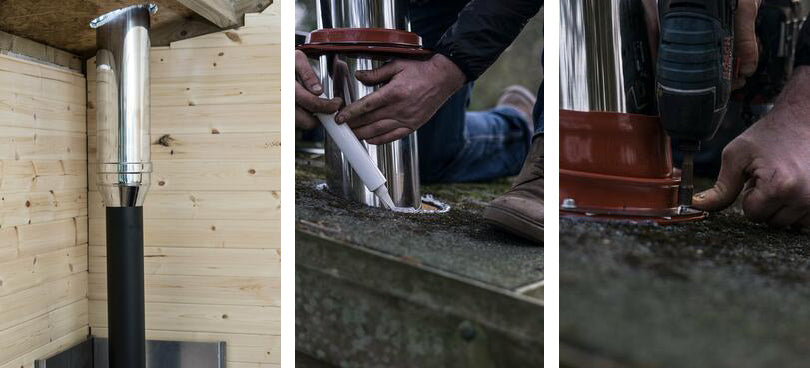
(519, 295)
(572, 356)
(29, 50)
(464, 311)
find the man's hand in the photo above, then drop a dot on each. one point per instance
(413, 92)
(307, 91)
(770, 163)
(746, 48)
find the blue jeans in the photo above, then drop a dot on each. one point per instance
(460, 146)
(538, 114)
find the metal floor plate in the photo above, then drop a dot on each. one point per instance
(93, 353)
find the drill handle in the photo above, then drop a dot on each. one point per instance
(695, 65)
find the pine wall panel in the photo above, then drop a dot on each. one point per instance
(44, 305)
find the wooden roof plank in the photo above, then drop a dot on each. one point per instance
(219, 12)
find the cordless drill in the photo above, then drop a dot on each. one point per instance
(693, 75)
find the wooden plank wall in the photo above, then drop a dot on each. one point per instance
(43, 211)
(212, 214)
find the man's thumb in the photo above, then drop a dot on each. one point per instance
(380, 75)
(729, 184)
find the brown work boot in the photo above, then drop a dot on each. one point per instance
(520, 210)
(520, 99)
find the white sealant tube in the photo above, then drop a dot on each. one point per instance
(357, 156)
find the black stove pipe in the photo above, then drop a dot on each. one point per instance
(125, 291)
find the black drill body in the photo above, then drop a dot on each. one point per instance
(694, 71)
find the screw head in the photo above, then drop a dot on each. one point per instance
(568, 203)
(466, 330)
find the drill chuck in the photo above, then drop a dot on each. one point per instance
(686, 189)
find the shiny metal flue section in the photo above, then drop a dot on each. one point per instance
(399, 160)
(389, 14)
(123, 105)
(606, 62)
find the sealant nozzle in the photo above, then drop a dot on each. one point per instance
(385, 198)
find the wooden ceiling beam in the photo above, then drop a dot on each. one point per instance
(21, 47)
(195, 26)
(69, 30)
(220, 12)
(250, 6)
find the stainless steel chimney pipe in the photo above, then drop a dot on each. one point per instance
(123, 103)
(399, 160)
(606, 62)
(388, 14)
(124, 167)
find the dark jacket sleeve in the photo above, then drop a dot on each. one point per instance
(803, 46)
(483, 30)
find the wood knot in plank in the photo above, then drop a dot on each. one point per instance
(233, 36)
(165, 141)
